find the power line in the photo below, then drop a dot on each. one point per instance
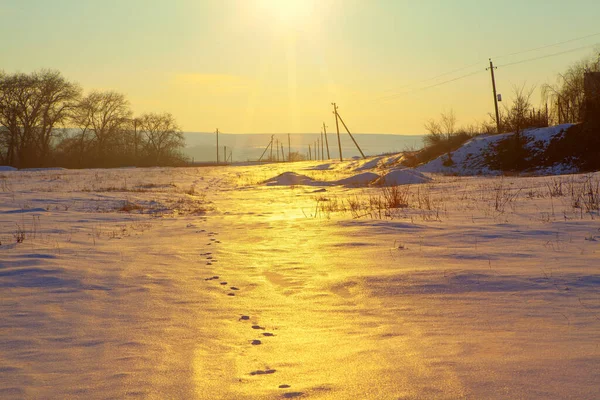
(547, 56)
(548, 45)
(437, 76)
(430, 86)
(476, 72)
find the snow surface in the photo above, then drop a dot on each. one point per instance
(406, 176)
(205, 283)
(359, 180)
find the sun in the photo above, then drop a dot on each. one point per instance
(292, 13)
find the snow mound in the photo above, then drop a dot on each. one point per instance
(370, 164)
(5, 168)
(290, 178)
(359, 180)
(402, 177)
(322, 167)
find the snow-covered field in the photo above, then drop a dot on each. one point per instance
(209, 283)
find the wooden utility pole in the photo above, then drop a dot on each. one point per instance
(492, 68)
(217, 145)
(289, 149)
(337, 127)
(267, 148)
(337, 115)
(271, 144)
(282, 154)
(225, 154)
(309, 153)
(326, 141)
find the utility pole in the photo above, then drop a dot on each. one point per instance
(282, 154)
(326, 141)
(225, 154)
(337, 127)
(271, 144)
(267, 148)
(289, 149)
(309, 153)
(492, 68)
(217, 146)
(337, 115)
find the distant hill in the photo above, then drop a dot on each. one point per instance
(202, 146)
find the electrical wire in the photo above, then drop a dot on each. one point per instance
(429, 87)
(547, 46)
(500, 66)
(547, 56)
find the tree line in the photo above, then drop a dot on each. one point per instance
(46, 120)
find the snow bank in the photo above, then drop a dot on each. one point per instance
(369, 164)
(322, 167)
(290, 178)
(359, 180)
(470, 158)
(6, 168)
(402, 177)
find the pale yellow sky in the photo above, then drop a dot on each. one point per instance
(270, 66)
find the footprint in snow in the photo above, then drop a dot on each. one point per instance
(258, 327)
(211, 278)
(291, 395)
(284, 386)
(231, 294)
(234, 288)
(223, 283)
(244, 318)
(268, 334)
(261, 372)
(255, 342)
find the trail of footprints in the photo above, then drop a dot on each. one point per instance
(210, 260)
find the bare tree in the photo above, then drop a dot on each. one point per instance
(102, 118)
(442, 130)
(567, 95)
(31, 108)
(162, 136)
(518, 114)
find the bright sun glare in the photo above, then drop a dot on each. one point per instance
(289, 12)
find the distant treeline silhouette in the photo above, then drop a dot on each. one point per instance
(47, 121)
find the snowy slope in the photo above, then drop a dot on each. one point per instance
(469, 159)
